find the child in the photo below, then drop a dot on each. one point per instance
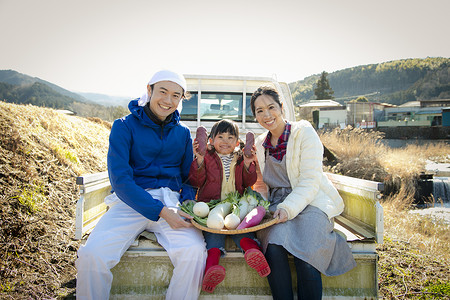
(224, 169)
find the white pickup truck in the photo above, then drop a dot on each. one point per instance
(228, 97)
(145, 270)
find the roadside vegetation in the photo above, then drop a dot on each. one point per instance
(42, 151)
(414, 259)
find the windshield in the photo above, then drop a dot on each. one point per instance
(216, 106)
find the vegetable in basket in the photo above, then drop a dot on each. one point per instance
(224, 172)
(216, 217)
(253, 218)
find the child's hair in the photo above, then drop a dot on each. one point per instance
(224, 126)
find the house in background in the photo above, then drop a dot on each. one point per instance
(446, 117)
(415, 113)
(332, 116)
(365, 114)
(324, 113)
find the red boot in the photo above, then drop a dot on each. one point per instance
(254, 257)
(214, 273)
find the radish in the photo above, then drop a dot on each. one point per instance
(232, 221)
(243, 208)
(215, 222)
(253, 218)
(217, 215)
(187, 207)
(201, 209)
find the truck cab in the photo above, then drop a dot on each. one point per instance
(214, 98)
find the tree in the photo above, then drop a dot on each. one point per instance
(323, 89)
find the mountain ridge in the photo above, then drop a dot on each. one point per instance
(394, 82)
(19, 88)
(15, 78)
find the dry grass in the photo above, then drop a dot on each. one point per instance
(421, 231)
(395, 167)
(362, 154)
(358, 153)
(41, 153)
(414, 259)
(73, 141)
(411, 160)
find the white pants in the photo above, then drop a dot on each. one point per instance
(115, 232)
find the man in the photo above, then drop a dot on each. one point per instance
(149, 156)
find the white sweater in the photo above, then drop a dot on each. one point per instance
(304, 155)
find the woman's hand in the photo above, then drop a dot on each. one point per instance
(281, 214)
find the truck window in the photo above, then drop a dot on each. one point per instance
(216, 106)
(189, 111)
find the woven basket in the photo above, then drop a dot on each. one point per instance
(264, 223)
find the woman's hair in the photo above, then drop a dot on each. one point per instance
(264, 90)
(223, 126)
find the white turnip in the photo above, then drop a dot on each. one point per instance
(232, 221)
(217, 215)
(243, 208)
(201, 209)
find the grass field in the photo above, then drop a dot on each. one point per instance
(42, 151)
(414, 260)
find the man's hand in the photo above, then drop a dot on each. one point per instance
(174, 217)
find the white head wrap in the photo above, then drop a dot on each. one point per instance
(165, 75)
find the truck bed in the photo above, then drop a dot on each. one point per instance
(145, 270)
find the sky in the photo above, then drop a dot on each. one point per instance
(114, 47)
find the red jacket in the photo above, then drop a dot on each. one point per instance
(208, 178)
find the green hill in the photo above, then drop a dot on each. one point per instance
(18, 79)
(394, 82)
(23, 89)
(37, 93)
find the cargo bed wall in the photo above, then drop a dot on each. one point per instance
(145, 270)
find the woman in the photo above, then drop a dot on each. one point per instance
(302, 198)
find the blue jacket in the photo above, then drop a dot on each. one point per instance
(145, 155)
